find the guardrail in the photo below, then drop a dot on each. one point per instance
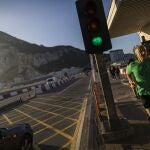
(14, 98)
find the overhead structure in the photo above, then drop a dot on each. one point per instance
(129, 16)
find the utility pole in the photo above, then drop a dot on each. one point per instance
(107, 92)
(97, 40)
(92, 67)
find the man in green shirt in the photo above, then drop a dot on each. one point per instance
(140, 69)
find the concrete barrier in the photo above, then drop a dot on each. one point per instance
(14, 93)
(13, 98)
(47, 87)
(1, 97)
(37, 88)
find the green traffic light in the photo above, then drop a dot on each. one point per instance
(97, 41)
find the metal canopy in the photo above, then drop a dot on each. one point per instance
(128, 16)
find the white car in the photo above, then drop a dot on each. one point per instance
(52, 80)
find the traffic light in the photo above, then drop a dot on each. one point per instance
(93, 26)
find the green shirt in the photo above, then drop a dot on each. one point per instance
(141, 72)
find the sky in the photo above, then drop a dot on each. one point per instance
(51, 23)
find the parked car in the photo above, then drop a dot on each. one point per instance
(51, 80)
(16, 137)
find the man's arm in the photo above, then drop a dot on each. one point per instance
(131, 80)
(130, 77)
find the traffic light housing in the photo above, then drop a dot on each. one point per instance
(93, 26)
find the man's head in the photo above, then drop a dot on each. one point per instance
(140, 52)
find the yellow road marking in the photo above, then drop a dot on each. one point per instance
(8, 120)
(50, 112)
(47, 125)
(78, 125)
(48, 138)
(60, 120)
(49, 108)
(19, 120)
(61, 100)
(55, 122)
(35, 125)
(3, 122)
(10, 116)
(39, 131)
(16, 117)
(52, 105)
(64, 146)
(1, 118)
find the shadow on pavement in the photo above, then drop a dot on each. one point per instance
(132, 111)
(49, 147)
(138, 121)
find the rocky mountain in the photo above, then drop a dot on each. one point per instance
(23, 60)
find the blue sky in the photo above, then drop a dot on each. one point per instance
(50, 23)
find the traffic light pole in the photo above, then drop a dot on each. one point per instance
(113, 119)
(92, 67)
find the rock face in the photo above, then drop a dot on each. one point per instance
(24, 61)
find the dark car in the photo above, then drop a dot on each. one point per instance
(16, 137)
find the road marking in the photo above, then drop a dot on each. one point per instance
(35, 125)
(64, 146)
(52, 105)
(61, 100)
(16, 117)
(46, 125)
(8, 120)
(60, 120)
(48, 138)
(39, 131)
(68, 87)
(66, 96)
(3, 122)
(15, 121)
(12, 115)
(50, 112)
(1, 119)
(77, 135)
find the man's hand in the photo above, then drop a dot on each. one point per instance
(132, 84)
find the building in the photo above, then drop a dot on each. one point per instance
(128, 57)
(117, 56)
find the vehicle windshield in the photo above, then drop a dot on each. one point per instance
(50, 80)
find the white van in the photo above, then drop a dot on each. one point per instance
(51, 80)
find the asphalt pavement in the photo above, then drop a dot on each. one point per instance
(129, 107)
(55, 117)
